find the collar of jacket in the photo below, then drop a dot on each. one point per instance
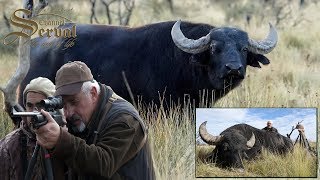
(26, 130)
(105, 94)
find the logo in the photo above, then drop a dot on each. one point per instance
(46, 25)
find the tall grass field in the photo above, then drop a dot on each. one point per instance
(299, 163)
(292, 79)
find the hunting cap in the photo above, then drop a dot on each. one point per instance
(71, 76)
(39, 85)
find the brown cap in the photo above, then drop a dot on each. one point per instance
(70, 77)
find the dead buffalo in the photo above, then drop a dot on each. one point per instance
(242, 141)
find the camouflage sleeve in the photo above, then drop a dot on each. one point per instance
(4, 161)
(10, 164)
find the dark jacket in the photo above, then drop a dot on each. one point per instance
(272, 129)
(117, 153)
(16, 149)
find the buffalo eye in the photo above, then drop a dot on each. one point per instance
(244, 49)
(225, 147)
(215, 48)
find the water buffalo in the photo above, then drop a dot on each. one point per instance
(156, 58)
(242, 141)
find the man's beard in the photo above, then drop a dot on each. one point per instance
(79, 129)
(76, 129)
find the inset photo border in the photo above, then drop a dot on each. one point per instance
(256, 142)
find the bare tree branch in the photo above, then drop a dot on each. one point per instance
(129, 5)
(10, 89)
(6, 20)
(119, 12)
(122, 10)
(93, 14)
(28, 4)
(39, 7)
(108, 12)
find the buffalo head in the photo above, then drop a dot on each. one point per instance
(230, 50)
(230, 147)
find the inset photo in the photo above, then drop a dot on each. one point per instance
(256, 142)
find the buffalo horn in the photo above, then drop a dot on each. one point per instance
(189, 45)
(206, 137)
(264, 46)
(251, 141)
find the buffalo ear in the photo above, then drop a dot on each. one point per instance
(254, 59)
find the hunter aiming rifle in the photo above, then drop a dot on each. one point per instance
(52, 104)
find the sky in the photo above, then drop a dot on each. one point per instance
(283, 119)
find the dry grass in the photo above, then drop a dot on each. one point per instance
(8, 65)
(300, 163)
(171, 133)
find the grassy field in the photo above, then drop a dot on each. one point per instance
(290, 80)
(299, 163)
(171, 133)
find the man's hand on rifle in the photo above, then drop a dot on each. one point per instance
(48, 134)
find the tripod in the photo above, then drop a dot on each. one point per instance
(302, 140)
(47, 163)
